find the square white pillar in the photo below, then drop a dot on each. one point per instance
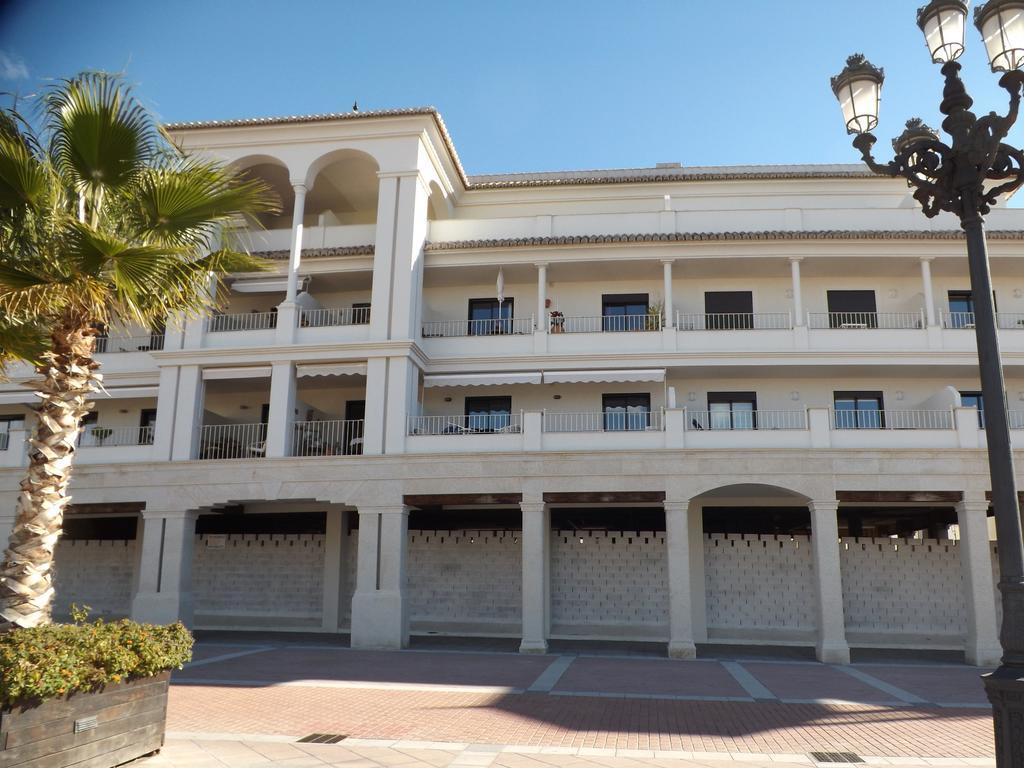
(379, 615)
(926, 285)
(383, 255)
(163, 569)
(281, 418)
(166, 406)
(334, 564)
(798, 299)
(188, 415)
(536, 556)
(982, 646)
(698, 583)
(831, 645)
(680, 592)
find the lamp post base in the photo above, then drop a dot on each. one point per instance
(1005, 689)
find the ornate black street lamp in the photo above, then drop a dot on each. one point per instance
(966, 177)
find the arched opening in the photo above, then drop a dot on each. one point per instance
(343, 190)
(438, 206)
(275, 174)
(759, 578)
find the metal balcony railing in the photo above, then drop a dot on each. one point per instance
(910, 419)
(151, 343)
(604, 421)
(957, 320)
(249, 321)
(97, 436)
(744, 420)
(860, 320)
(475, 424)
(322, 318)
(606, 324)
(1010, 320)
(513, 326)
(327, 438)
(232, 441)
(733, 321)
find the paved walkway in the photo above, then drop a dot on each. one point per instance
(626, 707)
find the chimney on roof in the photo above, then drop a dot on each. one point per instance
(668, 165)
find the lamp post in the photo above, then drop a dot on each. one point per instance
(966, 177)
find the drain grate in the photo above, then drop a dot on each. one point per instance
(322, 738)
(835, 757)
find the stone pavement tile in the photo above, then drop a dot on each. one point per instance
(942, 685)
(375, 666)
(809, 682)
(649, 676)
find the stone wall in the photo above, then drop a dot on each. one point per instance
(760, 587)
(258, 579)
(903, 592)
(94, 573)
(469, 581)
(613, 584)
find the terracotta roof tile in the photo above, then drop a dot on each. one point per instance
(319, 253)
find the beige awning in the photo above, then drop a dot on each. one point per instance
(331, 369)
(249, 372)
(481, 379)
(590, 377)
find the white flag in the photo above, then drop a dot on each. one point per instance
(501, 285)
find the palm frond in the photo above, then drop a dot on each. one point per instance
(21, 340)
(101, 137)
(23, 178)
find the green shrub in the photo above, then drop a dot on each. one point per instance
(49, 661)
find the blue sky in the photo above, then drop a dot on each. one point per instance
(522, 84)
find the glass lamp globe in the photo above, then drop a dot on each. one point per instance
(1001, 23)
(859, 90)
(943, 22)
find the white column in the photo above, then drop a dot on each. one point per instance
(375, 423)
(188, 415)
(542, 298)
(536, 553)
(383, 255)
(698, 581)
(295, 258)
(670, 314)
(166, 405)
(929, 296)
(379, 618)
(798, 301)
(163, 569)
(410, 235)
(333, 563)
(680, 592)
(831, 646)
(282, 409)
(982, 647)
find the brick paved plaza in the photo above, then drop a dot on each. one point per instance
(559, 706)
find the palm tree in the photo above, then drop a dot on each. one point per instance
(103, 222)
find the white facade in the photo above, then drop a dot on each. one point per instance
(668, 457)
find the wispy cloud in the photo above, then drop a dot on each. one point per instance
(12, 67)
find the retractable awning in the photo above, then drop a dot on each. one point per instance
(593, 377)
(481, 379)
(331, 369)
(19, 397)
(249, 372)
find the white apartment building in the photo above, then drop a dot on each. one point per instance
(708, 405)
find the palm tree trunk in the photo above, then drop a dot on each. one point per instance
(69, 377)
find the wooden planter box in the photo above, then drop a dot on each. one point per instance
(114, 725)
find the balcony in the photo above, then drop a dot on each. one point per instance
(109, 344)
(333, 325)
(734, 321)
(232, 441)
(485, 433)
(509, 326)
(327, 438)
(853, 321)
(607, 324)
(113, 437)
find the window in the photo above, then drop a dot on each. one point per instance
(852, 309)
(7, 425)
(974, 400)
(360, 313)
(147, 424)
(624, 413)
(488, 414)
(489, 316)
(859, 410)
(728, 309)
(90, 420)
(732, 410)
(624, 312)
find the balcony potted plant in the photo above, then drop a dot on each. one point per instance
(87, 691)
(655, 312)
(101, 433)
(557, 321)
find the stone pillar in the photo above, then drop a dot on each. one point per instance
(188, 415)
(536, 555)
(982, 647)
(379, 618)
(166, 406)
(383, 254)
(670, 313)
(163, 570)
(798, 301)
(334, 563)
(831, 646)
(295, 258)
(542, 298)
(929, 297)
(698, 582)
(680, 592)
(282, 409)
(375, 423)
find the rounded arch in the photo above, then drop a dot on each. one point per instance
(275, 174)
(439, 206)
(765, 493)
(342, 188)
